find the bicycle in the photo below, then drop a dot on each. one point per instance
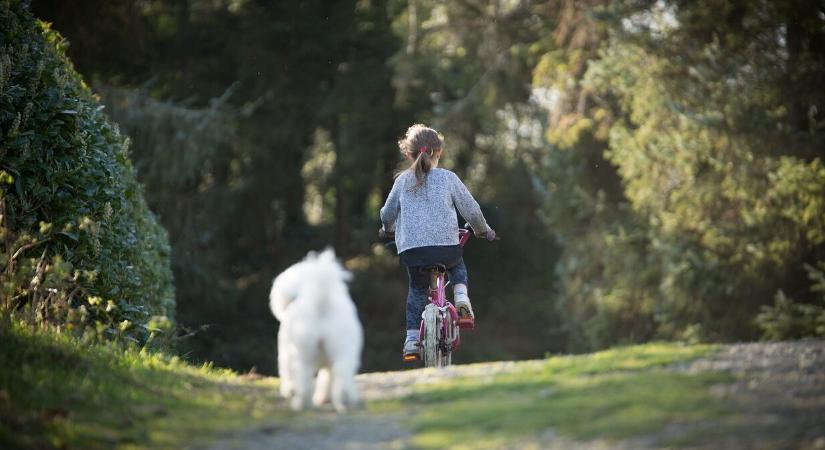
(439, 332)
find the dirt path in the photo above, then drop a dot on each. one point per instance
(780, 391)
(779, 398)
(358, 430)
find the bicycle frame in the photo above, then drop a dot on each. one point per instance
(449, 337)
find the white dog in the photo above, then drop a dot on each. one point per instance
(319, 333)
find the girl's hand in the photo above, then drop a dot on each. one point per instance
(490, 234)
(384, 234)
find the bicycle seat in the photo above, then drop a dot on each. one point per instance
(434, 267)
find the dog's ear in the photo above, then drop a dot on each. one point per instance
(346, 275)
(328, 254)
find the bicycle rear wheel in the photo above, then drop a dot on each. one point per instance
(429, 342)
(436, 348)
(435, 352)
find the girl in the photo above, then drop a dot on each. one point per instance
(421, 211)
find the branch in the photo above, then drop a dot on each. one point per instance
(23, 249)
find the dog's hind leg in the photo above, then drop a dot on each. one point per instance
(286, 377)
(303, 383)
(322, 386)
(344, 391)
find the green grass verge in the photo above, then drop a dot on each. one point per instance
(614, 394)
(56, 392)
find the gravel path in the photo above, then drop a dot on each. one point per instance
(778, 399)
(780, 391)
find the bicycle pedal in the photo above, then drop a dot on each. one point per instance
(411, 358)
(466, 323)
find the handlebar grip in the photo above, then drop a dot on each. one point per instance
(469, 229)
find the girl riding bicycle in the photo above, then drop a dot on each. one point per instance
(421, 211)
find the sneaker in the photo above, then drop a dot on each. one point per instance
(412, 350)
(466, 318)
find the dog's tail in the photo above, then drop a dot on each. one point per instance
(326, 280)
(284, 290)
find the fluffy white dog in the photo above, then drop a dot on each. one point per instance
(319, 333)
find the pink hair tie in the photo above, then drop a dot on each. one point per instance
(423, 150)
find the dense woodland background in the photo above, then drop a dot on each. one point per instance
(655, 168)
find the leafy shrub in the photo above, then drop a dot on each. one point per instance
(788, 319)
(75, 230)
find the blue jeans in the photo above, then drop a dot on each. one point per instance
(420, 285)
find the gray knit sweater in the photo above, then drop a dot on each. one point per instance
(426, 215)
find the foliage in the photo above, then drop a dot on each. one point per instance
(681, 178)
(77, 234)
(654, 167)
(232, 176)
(787, 319)
(183, 155)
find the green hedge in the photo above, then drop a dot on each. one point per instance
(69, 195)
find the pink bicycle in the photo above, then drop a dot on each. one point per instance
(440, 323)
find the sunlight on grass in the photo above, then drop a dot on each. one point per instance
(618, 393)
(56, 392)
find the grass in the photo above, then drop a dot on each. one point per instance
(614, 394)
(56, 392)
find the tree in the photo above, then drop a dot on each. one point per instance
(720, 182)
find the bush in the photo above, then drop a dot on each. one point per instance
(788, 319)
(76, 233)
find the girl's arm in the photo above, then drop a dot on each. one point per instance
(391, 208)
(468, 207)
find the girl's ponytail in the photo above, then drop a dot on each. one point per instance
(421, 166)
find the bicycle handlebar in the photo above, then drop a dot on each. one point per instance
(469, 229)
(389, 236)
